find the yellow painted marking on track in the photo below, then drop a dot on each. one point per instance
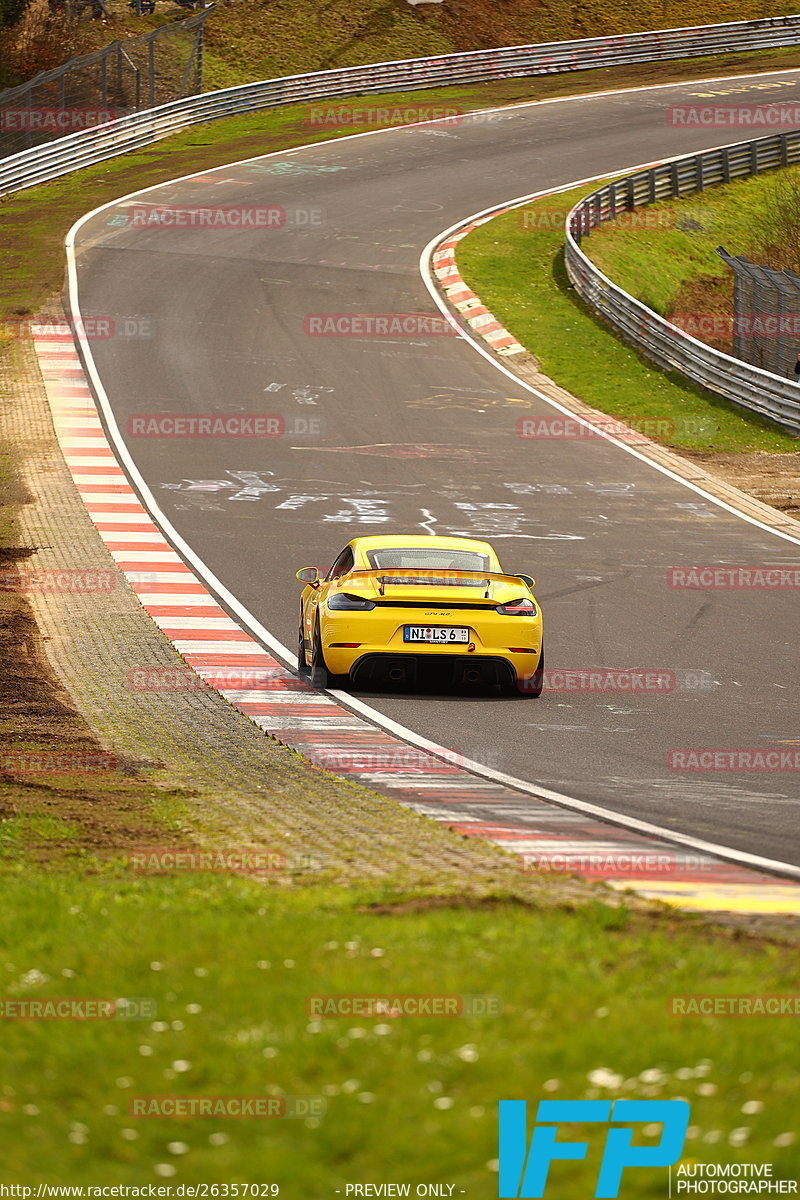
(723, 897)
(747, 87)
(472, 403)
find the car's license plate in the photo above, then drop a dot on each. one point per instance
(435, 633)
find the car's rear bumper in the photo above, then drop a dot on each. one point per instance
(349, 638)
(412, 668)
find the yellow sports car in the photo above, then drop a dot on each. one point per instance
(394, 608)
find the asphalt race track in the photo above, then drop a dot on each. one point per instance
(434, 426)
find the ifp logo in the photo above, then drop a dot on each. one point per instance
(524, 1171)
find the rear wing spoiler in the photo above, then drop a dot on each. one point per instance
(444, 577)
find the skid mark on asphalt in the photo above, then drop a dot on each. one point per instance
(541, 834)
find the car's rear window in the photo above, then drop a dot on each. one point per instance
(424, 559)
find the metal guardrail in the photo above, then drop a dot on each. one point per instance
(665, 344)
(90, 146)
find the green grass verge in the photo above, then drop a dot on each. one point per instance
(230, 964)
(519, 274)
(657, 264)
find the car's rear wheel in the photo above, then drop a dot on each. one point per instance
(321, 677)
(533, 684)
(302, 666)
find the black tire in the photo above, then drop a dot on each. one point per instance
(320, 675)
(302, 666)
(535, 683)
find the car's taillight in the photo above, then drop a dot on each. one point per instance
(347, 602)
(518, 608)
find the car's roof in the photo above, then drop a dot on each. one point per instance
(414, 540)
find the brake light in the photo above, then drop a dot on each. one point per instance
(524, 607)
(347, 602)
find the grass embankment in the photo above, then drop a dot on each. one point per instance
(515, 264)
(673, 266)
(408, 1099)
(260, 40)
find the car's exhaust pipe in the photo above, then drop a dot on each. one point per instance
(396, 674)
(472, 675)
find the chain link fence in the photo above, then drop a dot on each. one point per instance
(123, 78)
(766, 315)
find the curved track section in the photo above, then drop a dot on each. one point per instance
(561, 836)
(420, 433)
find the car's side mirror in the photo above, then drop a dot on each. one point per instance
(308, 575)
(528, 580)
